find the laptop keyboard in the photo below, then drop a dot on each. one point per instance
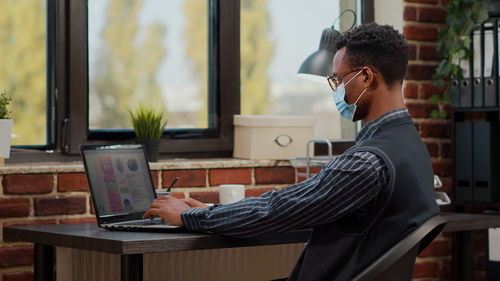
(155, 221)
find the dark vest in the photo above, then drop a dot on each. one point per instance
(339, 250)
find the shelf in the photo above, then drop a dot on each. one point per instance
(478, 204)
(475, 109)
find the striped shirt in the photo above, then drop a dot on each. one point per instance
(348, 182)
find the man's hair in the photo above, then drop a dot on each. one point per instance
(380, 46)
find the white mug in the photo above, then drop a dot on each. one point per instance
(230, 193)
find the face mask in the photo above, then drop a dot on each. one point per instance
(347, 111)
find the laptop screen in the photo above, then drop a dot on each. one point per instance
(119, 179)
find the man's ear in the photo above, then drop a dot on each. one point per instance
(370, 80)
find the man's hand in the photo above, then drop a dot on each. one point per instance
(194, 203)
(168, 208)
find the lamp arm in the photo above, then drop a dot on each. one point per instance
(341, 14)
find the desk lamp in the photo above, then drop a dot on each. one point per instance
(319, 65)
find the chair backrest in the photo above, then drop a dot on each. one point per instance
(397, 263)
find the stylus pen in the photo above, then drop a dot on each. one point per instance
(172, 184)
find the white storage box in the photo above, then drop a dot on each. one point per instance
(272, 137)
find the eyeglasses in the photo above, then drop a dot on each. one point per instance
(335, 80)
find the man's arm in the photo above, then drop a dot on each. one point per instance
(345, 184)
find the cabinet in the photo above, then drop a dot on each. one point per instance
(475, 114)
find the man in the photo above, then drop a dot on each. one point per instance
(363, 201)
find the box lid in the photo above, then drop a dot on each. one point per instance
(274, 121)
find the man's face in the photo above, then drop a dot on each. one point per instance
(344, 72)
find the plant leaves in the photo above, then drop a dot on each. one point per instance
(434, 114)
(434, 99)
(148, 122)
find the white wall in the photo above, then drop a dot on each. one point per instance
(389, 12)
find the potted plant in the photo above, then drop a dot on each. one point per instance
(5, 126)
(454, 44)
(148, 123)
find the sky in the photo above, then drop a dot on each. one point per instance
(296, 27)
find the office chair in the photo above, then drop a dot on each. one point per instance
(397, 263)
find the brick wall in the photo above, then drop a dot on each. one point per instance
(52, 198)
(63, 197)
(422, 21)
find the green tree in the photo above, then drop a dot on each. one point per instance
(126, 65)
(256, 53)
(23, 67)
(196, 39)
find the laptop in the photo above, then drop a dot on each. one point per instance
(121, 187)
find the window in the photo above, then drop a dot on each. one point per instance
(157, 52)
(274, 43)
(67, 91)
(154, 52)
(24, 69)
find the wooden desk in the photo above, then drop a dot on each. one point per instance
(133, 246)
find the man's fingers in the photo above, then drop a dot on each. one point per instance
(150, 213)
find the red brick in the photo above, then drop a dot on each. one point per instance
(431, 14)
(154, 176)
(419, 72)
(445, 2)
(428, 52)
(81, 220)
(420, 110)
(437, 248)
(480, 275)
(91, 205)
(446, 150)
(427, 90)
(60, 205)
(411, 90)
(229, 176)
(274, 175)
(187, 178)
(418, 32)
(412, 52)
(14, 207)
(72, 182)
(447, 186)
(433, 148)
(435, 129)
(256, 192)
(441, 168)
(426, 269)
(303, 171)
(446, 271)
(206, 197)
(479, 259)
(423, 1)
(480, 242)
(179, 195)
(30, 183)
(410, 13)
(15, 256)
(18, 276)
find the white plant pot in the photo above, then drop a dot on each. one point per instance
(5, 137)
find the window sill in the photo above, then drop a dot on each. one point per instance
(170, 164)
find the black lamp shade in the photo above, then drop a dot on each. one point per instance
(319, 65)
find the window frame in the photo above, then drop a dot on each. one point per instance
(67, 100)
(223, 87)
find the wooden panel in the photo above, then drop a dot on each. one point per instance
(82, 265)
(243, 264)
